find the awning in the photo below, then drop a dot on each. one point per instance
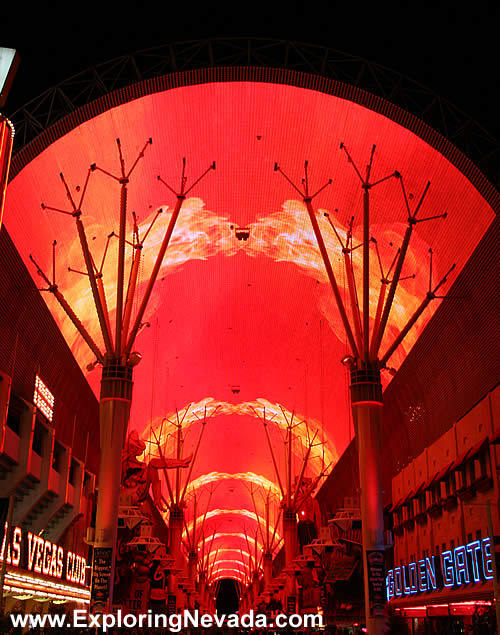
(438, 476)
(469, 453)
(430, 481)
(342, 570)
(396, 506)
(403, 500)
(408, 497)
(460, 460)
(443, 472)
(478, 447)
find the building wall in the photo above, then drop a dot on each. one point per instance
(465, 519)
(47, 465)
(30, 344)
(451, 368)
(453, 365)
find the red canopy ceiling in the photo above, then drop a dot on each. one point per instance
(237, 327)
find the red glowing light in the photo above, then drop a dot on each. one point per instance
(258, 313)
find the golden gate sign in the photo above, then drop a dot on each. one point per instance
(33, 553)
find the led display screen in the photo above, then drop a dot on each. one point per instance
(242, 320)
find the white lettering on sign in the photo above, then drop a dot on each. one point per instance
(14, 554)
(43, 556)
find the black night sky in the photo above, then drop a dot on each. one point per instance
(452, 50)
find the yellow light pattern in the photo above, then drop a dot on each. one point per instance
(228, 534)
(226, 512)
(16, 582)
(275, 415)
(249, 477)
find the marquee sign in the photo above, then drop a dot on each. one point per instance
(470, 563)
(43, 398)
(33, 553)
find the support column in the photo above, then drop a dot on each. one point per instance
(290, 540)
(268, 568)
(175, 526)
(289, 536)
(366, 399)
(255, 589)
(202, 591)
(192, 569)
(115, 400)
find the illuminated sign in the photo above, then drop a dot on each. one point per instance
(9, 61)
(464, 564)
(6, 140)
(43, 557)
(43, 398)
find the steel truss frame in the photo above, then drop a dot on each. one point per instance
(81, 89)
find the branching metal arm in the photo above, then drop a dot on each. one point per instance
(272, 546)
(431, 295)
(129, 300)
(165, 471)
(384, 280)
(181, 196)
(123, 179)
(205, 514)
(412, 221)
(195, 455)
(273, 457)
(302, 471)
(70, 313)
(98, 297)
(366, 187)
(347, 254)
(97, 290)
(307, 199)
(312, 487)
(264, 542)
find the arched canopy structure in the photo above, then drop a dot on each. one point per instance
(242, 323)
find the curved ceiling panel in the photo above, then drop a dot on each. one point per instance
(237, 327)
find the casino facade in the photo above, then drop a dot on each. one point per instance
(288, 273)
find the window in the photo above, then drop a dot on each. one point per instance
(458, 477)
(36, 444)
(15, 414)
(72, 469)
(450, 484)
(436, 492)
(14, 421)
(430, 495)
(57, 457)
(480, 466)
(420, 504)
